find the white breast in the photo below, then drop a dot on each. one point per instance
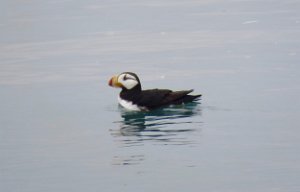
(128, 105)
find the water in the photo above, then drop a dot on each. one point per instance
(62, 130)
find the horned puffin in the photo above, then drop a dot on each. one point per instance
(132, 97)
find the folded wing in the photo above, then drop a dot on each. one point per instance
(155, 98)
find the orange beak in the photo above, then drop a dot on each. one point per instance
(113, 82)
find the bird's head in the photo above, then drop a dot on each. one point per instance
(126, 80)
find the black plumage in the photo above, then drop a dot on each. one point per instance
(152, 98)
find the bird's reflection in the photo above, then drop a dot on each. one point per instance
(162, 125)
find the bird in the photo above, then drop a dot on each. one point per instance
(133, 98)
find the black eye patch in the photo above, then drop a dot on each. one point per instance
(126, 78)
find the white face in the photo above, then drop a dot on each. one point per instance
(127, 80)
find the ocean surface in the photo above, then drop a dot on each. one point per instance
(61, 128)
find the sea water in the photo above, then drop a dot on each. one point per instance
(61, 128)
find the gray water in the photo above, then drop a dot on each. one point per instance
(60, 125)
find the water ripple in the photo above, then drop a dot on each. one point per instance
(168, 126)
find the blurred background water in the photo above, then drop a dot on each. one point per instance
(62, 130)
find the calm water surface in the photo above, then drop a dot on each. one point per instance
(62, 130)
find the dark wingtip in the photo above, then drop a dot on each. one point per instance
(197, 97)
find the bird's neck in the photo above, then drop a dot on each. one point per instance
(135, 89)
(131, 94)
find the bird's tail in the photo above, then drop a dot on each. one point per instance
(191, 98)
(187, 99)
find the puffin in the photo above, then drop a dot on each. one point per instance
(133, 98)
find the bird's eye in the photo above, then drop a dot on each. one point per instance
(127, 77)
